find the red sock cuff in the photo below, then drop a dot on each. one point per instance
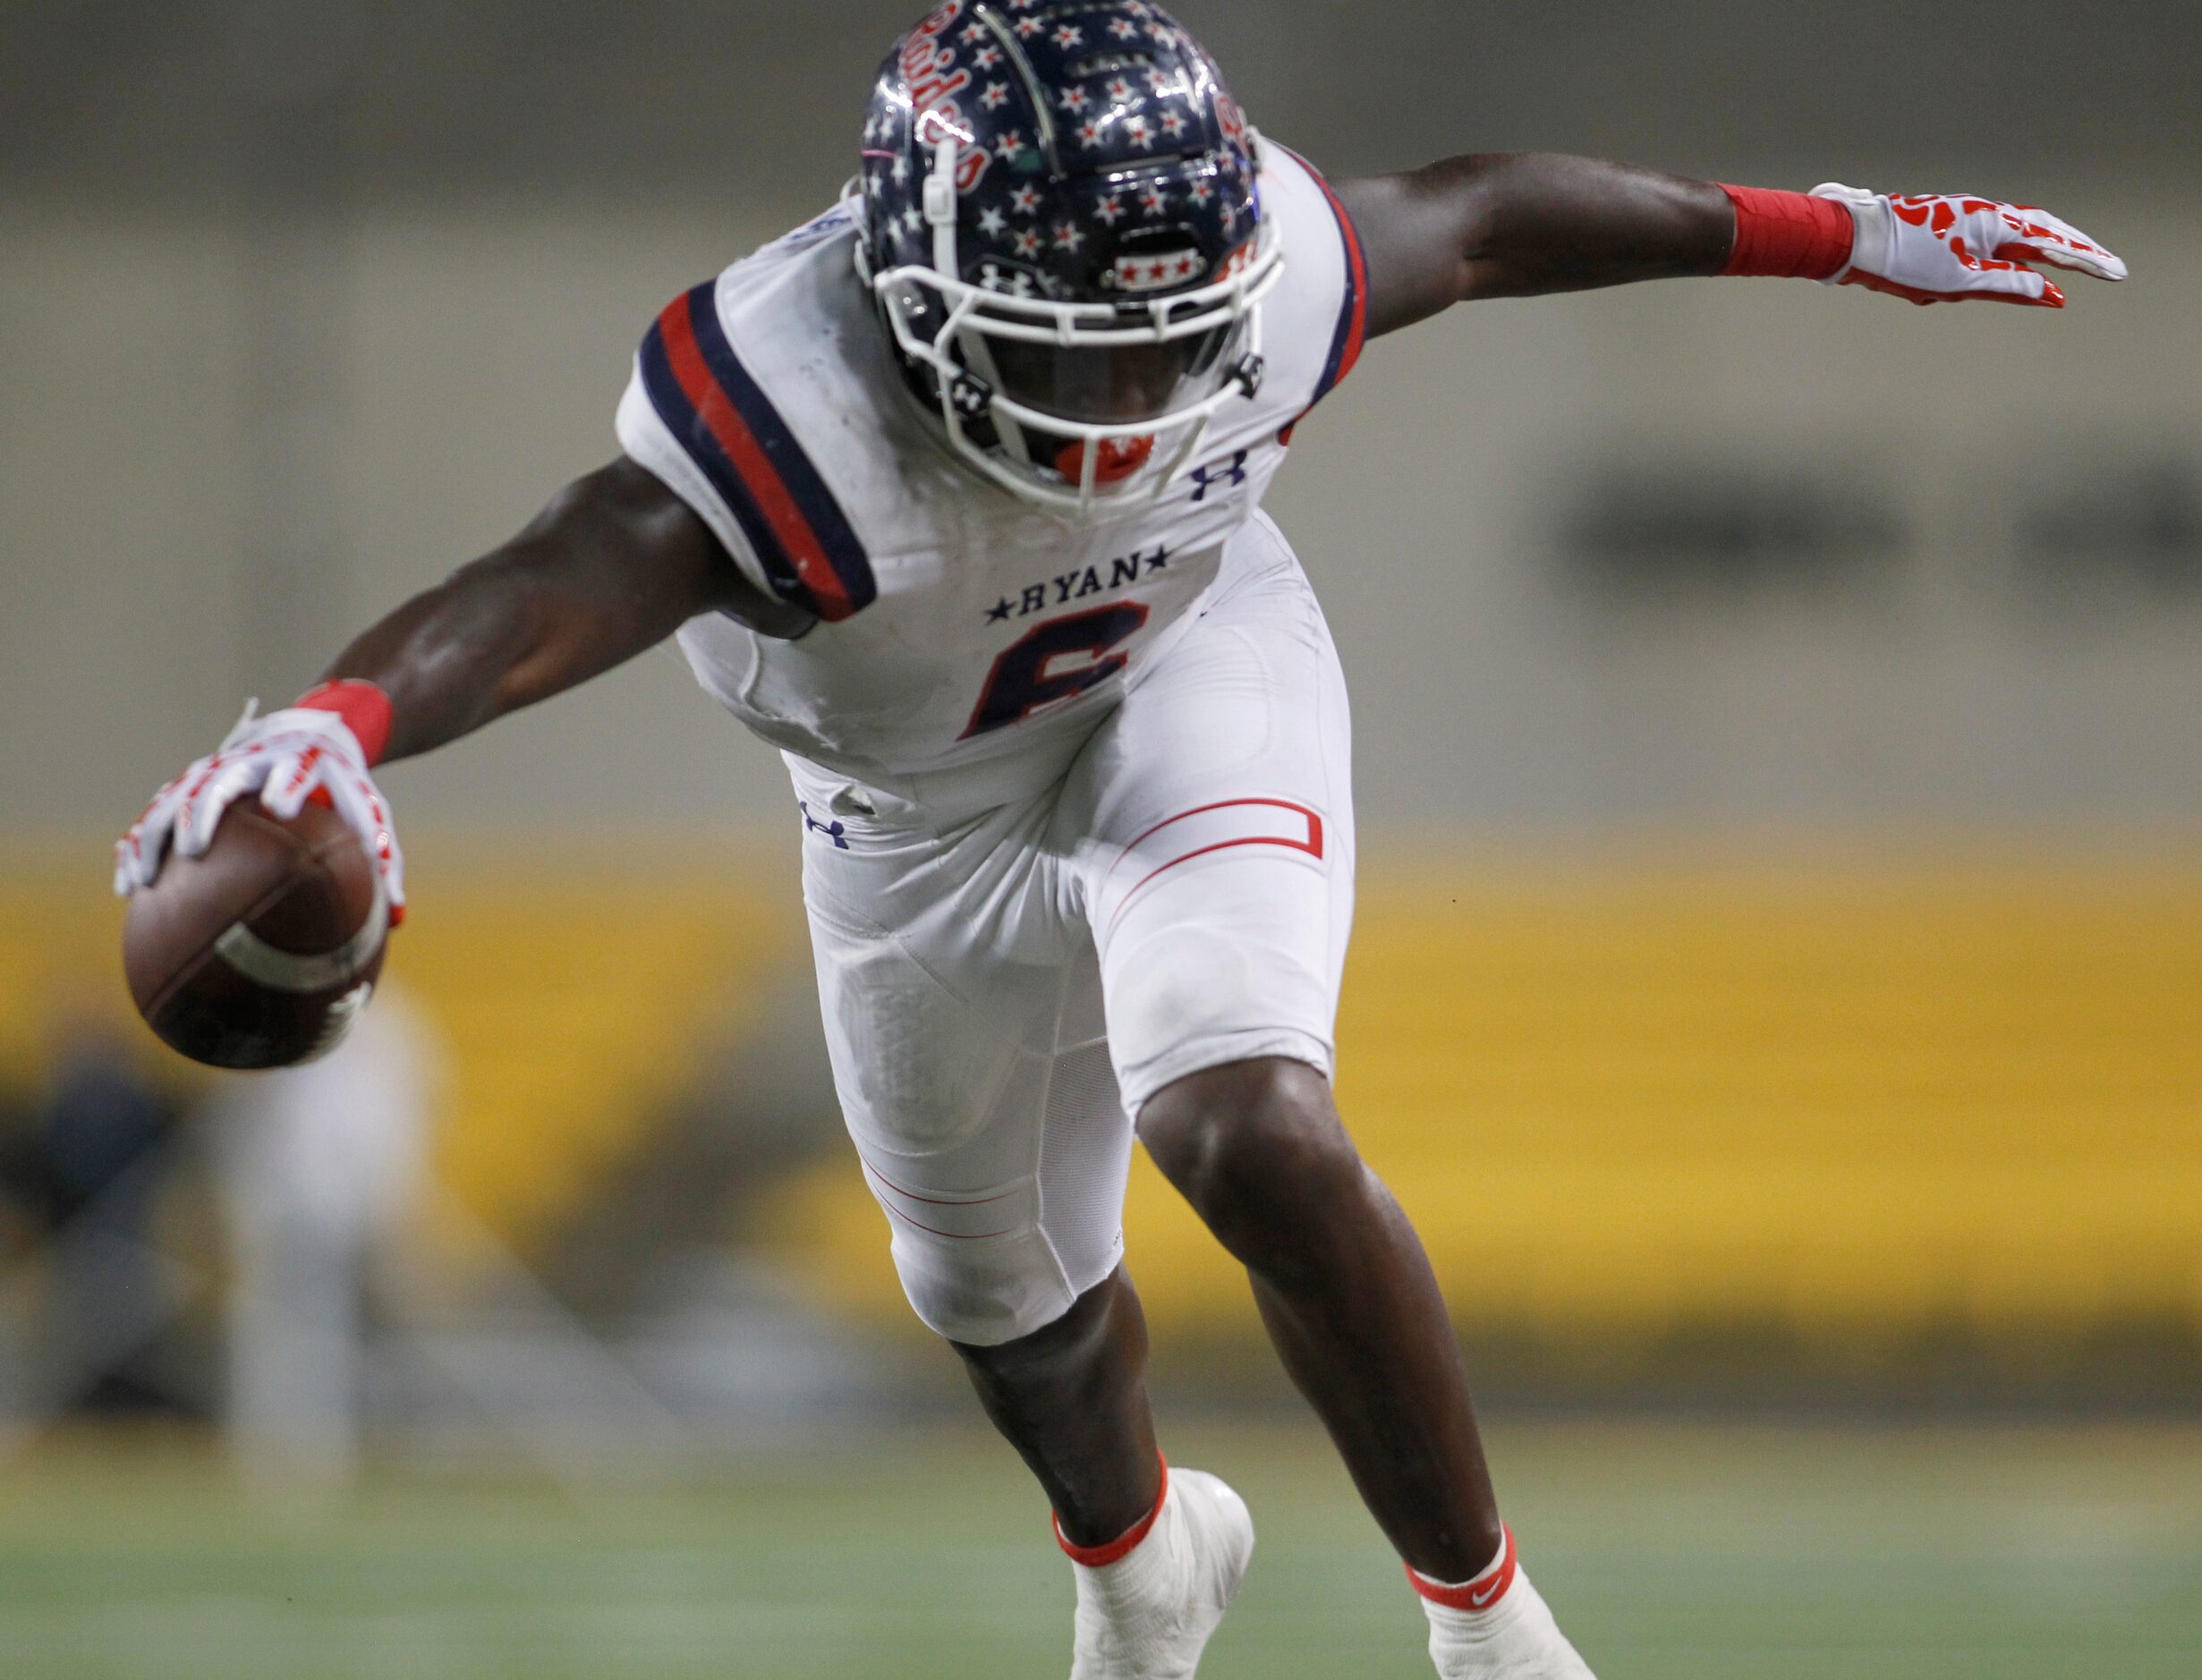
(1484, 1591)
(1790, 234)
(364, 707)
(1101, 1557)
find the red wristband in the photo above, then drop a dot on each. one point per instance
(364, 707)
(1792, 234)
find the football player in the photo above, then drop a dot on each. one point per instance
(955, 496)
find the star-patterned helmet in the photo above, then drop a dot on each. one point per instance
(1064, 229)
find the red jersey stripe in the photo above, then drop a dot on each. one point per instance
(719, 416)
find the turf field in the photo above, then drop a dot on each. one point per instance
(1671, 1553)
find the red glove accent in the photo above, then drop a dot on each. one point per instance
(1792, 234)
(365, 710)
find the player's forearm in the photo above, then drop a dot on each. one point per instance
(453, 658)
(1541, 221)
(611, 568)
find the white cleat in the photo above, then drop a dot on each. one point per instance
(1150, 1614)
(1498, 1627)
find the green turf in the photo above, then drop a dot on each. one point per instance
(1669, 1554)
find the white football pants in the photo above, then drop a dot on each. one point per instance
(1002, 991)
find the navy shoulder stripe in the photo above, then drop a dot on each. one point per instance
(810, 552)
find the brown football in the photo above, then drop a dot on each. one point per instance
(259, 953)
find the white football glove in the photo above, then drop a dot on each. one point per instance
(285, 758)
(1946, 248)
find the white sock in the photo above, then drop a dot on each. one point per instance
(1128, 1570)
(1480, 1594)
(1495, 1624)
(1149, 1600)
(1108, 1556)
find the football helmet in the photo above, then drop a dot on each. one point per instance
(1064, 233)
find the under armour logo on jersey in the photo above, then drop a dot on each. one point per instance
(836, 832)
(1232, 474)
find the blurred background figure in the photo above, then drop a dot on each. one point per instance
(316, 1169)
(90, 1169)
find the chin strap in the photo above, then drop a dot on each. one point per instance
(970, 392)
(940, 206)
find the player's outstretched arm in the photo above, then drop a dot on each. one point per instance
(614, 565)
(1497, 225)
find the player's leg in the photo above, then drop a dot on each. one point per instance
(963, 1012)
(1346, 1292)
(1349, 1297)
(1223, 933)
(1072, 1398)
(1220, 891)
(1158, 1553)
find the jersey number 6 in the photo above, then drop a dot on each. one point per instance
(1020, 681)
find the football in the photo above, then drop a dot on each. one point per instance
(260, 953)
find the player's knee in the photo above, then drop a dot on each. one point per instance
(1073, 1337)
(1257, 1149)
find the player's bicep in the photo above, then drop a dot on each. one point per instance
(1416, 233)
(621, 559)
(614, 564)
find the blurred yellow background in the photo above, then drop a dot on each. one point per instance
(1620, 1101)
(1957, 1088)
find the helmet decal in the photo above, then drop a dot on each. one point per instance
(935, 80)
(1047, 100)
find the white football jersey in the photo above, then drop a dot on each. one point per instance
(958, 623)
